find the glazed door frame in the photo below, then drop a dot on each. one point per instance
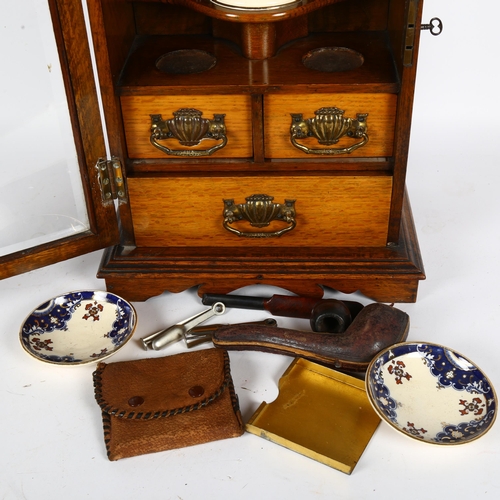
(74, 56)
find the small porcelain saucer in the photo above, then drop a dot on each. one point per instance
(78, 327)
(431, 393)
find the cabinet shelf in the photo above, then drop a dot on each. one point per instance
(285, 72)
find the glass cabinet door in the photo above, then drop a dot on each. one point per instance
(50, 202)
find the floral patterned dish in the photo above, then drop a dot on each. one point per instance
(431, 393)
(78, 328)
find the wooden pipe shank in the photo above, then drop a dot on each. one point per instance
(278, 305)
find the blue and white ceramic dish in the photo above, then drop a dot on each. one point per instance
(431, 393)
(78, 327)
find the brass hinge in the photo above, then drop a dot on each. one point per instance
(410, 30)
(111, 180)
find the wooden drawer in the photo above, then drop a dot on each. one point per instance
(330, 210)
(137, 111)
(380, 108)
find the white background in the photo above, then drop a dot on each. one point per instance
(51, 438)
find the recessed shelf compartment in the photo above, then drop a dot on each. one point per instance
(283, 72)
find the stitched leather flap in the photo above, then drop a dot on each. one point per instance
(161, 387)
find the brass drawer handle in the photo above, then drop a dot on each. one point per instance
(189, 128)
(329, 126)
(259, 210)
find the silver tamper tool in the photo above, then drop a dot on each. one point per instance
(174, 333)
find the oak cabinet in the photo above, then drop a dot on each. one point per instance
(266, 146)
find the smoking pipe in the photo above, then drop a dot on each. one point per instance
(376, 327)
(326, 315)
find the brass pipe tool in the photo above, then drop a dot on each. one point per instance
(325, 315)
(376, 327)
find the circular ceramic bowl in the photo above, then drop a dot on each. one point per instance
(78, 328)
(431, 393)
(254, 4)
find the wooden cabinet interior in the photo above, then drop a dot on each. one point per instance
(354, 229)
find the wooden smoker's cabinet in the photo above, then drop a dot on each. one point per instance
(265, 146)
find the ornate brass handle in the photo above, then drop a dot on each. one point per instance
(259, 210)
(329, 126)
(189, 128)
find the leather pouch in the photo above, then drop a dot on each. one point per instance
(159, 404)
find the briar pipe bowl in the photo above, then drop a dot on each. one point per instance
(376, 327)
